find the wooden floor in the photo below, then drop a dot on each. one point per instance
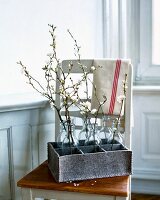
(145, 197)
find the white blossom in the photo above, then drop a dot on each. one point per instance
(125, 86)
(93, 68)
(82, 112)
(62, 81)
(74, 99)
(93, 111)
(70, 66)
(52, 104)
(124, 82)
(56, 69)
(120, 98)
(86, 104)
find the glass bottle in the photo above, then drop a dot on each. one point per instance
(69, 139)
(105, 133)
(117, 136)
(93, 138)
(84, 133)
(61, 134)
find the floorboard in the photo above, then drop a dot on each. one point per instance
(144, 197)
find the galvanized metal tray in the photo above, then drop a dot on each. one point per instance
(88, 162)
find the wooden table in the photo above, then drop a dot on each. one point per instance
(40, 183)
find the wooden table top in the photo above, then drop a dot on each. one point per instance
(41, 178)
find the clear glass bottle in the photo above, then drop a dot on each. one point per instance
(69, 139)
(105, 133)
(61, 134)
(117, 136)
(93, 138)
(84, 133)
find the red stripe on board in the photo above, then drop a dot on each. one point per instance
(114, 87)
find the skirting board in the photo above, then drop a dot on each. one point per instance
(145, 186)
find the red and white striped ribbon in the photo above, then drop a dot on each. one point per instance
(114, 87)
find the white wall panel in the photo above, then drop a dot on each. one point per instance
(22, 152)
(46, 134)
(5, 175)
(151, 135)
(24, 133)
(145, 141)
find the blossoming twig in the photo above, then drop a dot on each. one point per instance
(68, 93)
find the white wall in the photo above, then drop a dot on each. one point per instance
(145, 140)
(27, 124)
(24, 35)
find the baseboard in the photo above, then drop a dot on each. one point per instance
(145, 186)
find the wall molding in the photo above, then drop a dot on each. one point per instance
(11, 163)
(147, 174)
(146, 90)
(14, 102)
(114, 25)
(145, 186)
(150, 136)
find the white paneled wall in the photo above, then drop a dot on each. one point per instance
(28, 124)
(146, 140)
(5, 190)
(25, 129)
